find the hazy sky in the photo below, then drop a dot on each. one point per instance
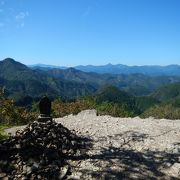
(73, 32)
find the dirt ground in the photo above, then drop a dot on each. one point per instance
(124, 148)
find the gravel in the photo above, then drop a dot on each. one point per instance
(124, 148)
(127, 148)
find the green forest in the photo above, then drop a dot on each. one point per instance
(107, 101)
(72, 91)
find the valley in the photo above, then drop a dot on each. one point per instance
(123, 95)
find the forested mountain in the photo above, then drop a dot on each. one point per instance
(112, 94)
(19, 81)
(167, 105)
(168, 92)
(170, 70)
(117, 95)
(166, 95)
(124, 69)
(135, 84)
(163, 103)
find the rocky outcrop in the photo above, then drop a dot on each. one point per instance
(40, 151)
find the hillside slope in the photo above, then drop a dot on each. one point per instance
(19, 81)
(124, 69)
(167, 92)
(135, 84)
(150, 70)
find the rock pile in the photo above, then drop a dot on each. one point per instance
(39, 152)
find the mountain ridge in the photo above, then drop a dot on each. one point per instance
(152, 70)
(72, 83)
(20, 80)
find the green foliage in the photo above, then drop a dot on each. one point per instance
(115, 102)
(2, 134)
(145, 102)
(176, 102)
(114, 109)
(60, 108)
(110, 101)
(138, 90)
(167, 92)
(25, 86)
(114, 95)
(163, 103)
(166, 111)
(12, 115)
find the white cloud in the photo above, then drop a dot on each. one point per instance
(11, 16)
(21, 16)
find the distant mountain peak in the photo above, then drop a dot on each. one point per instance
(150, 70)
(71, 69)
(14, 65)
(9, 60)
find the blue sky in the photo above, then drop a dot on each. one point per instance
(73, 32)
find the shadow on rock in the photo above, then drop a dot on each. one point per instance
(40, 151)
(126, 163)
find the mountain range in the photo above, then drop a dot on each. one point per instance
(20, 81)
(151, 70)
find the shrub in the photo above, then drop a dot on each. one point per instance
(115, 110)
(167, 111)
(60, 109)
(10, 114)
(2, 134)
